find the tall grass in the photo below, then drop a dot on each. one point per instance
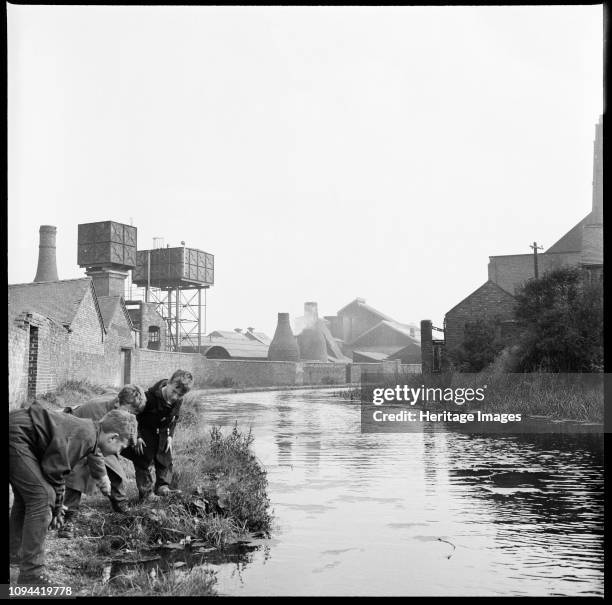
(223, 469)
(576, 397)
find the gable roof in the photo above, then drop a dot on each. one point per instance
(572, 240)
(58, 300)
(361, 304)
(488, 283)
(108, 308)
(402, 329)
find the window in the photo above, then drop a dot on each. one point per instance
(153, 334)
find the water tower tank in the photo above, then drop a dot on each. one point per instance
(107, 244)
(179, 267)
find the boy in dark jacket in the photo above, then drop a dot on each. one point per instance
(156, 424)
(130, 398)
(43, 448)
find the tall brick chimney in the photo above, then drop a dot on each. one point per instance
(47, 264)
(311, 313)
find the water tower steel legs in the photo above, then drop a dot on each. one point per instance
(199, 319)
(169, 320)
(178, 320)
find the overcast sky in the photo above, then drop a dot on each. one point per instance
(319, 153)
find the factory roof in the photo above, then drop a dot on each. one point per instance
(249, 349)
(403, 329)
(58, 300)
(361, 304)
(373, 356)
(244, 336)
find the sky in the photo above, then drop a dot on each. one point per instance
(320, 153)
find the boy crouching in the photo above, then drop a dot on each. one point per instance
(130, 398)
(44, 446)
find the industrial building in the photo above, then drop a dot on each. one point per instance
(365, 334)
(581, 246)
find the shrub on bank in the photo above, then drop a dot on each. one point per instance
(228, 475)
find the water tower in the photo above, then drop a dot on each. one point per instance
(174, 278)
(107, 251)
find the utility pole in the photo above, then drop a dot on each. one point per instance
(535, 248)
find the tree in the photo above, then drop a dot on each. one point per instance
(479, 347)
(562, 319)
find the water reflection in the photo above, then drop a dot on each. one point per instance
(428, 513)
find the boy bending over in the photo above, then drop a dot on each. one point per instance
(130, 398)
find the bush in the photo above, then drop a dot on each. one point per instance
(478, 349)
(562, 317)
(239, 480)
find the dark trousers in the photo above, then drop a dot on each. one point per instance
(33, 501)
(72, 497)
(153, 455)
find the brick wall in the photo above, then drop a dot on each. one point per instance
(512, 270)
(324, 373)
(489, 302)
(18, 344)
(40, 365)
(150, 366)
(254, 373)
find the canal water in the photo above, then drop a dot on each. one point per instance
(439, 513)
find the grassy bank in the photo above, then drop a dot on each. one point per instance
(576, 397)
(223, 497)
(73, 392)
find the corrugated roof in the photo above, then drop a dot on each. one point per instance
(237, 348)
(229, 334)
(260, 336)
(58, 300)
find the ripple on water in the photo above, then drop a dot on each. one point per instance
(524, 512)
